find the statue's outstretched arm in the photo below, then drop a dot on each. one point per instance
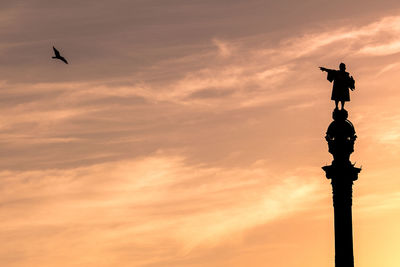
(324, 69)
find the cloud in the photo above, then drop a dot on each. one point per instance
(224, 48)
(149, 201)
(162, 104)
(382, 50)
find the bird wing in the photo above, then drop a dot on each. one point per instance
(56, 52)
(63, 59)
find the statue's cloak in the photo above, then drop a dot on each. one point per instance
(342, 82)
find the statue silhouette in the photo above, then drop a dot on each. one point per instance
(342, 82)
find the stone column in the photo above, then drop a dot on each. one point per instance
(341, 137)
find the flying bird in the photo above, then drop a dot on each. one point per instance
(58, 56)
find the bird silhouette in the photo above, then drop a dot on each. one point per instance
(58, 56)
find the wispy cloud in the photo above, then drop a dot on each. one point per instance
(156, 198)
(224, 48)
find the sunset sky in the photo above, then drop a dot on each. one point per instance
(191, 133)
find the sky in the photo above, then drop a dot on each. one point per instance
(191, 133)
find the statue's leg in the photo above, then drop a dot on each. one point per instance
(336, 103)
(342, 104)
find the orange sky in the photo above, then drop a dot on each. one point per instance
(191, 133)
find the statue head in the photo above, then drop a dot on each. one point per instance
(342, 66)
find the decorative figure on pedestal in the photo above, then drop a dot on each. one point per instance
(342, 82)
